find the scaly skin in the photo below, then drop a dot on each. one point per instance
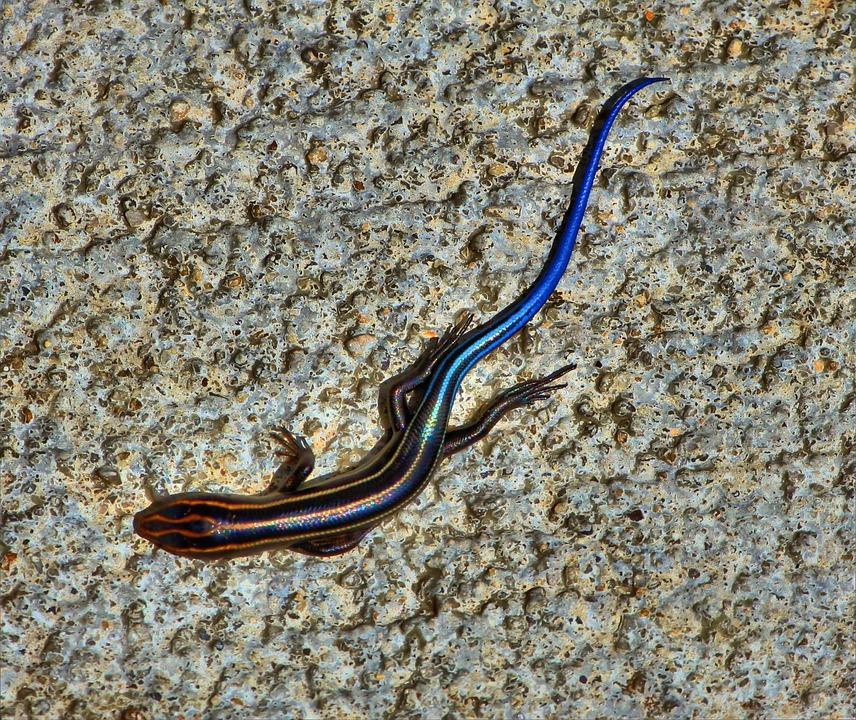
(331, 515)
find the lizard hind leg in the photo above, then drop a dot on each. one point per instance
(421, 371)
(520, 395)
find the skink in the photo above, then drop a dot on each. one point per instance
(331, 515)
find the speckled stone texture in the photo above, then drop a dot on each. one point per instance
(219, 218)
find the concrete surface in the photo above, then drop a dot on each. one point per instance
(217, 218)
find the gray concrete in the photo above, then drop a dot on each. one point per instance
(218, 219)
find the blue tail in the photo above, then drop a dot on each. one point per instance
(481, 340)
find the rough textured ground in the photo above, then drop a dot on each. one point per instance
(215, 218)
